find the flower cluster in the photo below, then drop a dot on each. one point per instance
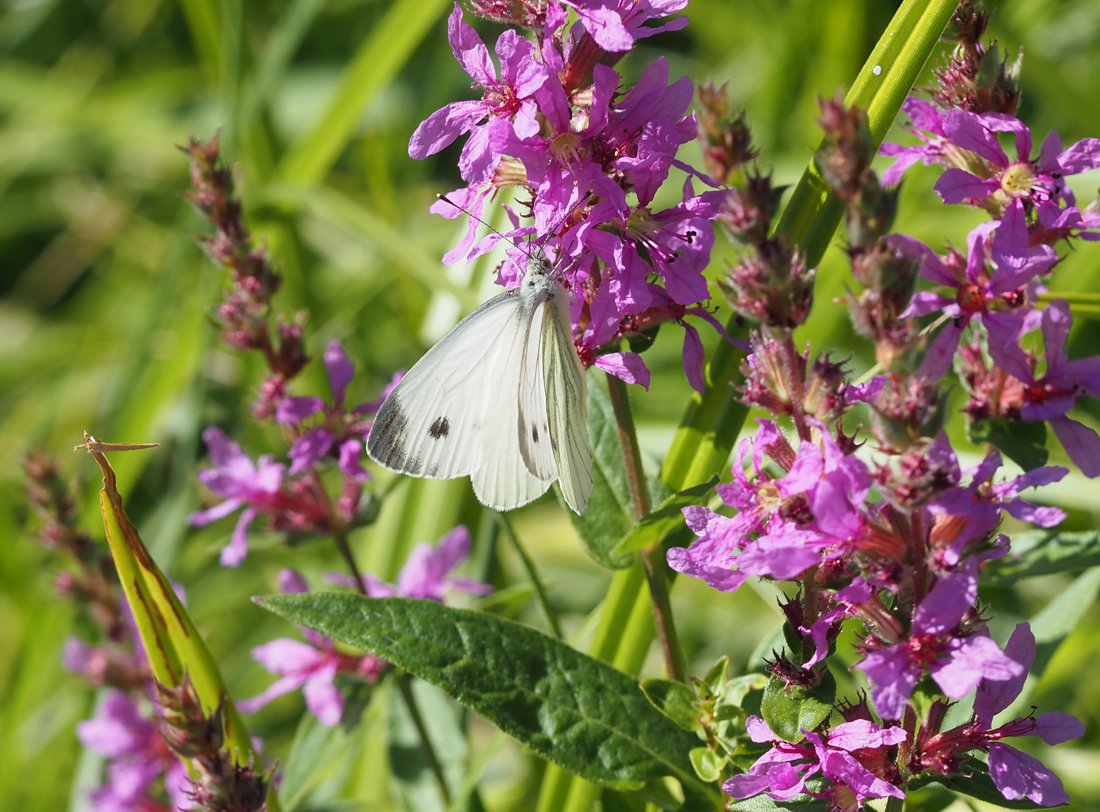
(315, 665)
(553, 124)
(294, 499)
(889, 530)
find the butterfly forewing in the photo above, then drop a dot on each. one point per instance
(566, 406)
(433, 423)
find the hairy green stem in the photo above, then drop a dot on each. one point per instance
(653, 560)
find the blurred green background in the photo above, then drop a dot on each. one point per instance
(104, 318)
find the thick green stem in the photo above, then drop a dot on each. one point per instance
(653, 560)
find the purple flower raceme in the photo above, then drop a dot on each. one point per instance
(1016, 774)
(292, 499)
(849, 756)
(142, 773)
(314, 665)
(591, 157)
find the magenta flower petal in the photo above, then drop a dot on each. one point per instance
(236, 550)
(1080, 442)
(1018, 775)
(441, 128)
(340, 369)
(322, 697)
(1081, 157)
(627, 366)
(958, 186)
(290, 411)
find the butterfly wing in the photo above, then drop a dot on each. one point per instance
(433, 423)
(566, 404)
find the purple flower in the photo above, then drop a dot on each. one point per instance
(936, 647)
(341, 433)
(998, 298)
(253, 486)
(426, 574)
(591, 159)
(1016, 774)
(784, 526)
(506, 104)
(137, 760)
(966, 514)
(849, 756)
(1050, 395)
(1040, 181)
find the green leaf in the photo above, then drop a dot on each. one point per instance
(973, 780)
(762, 803)
(609, 516)
(1023, 443)
(566, 706)
(1046, 552)
(666, 522)
(675, 700)
(707, 763)
(789, 710)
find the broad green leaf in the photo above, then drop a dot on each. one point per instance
(789, 710)
(665, 523)
(566, 706)
(609, 515)
(1046, 552)
(1023, 443)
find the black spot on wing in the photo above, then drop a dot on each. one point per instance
(535, 433)
(441, 427)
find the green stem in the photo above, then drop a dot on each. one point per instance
(532, 574)
(404, 685)
(652, 557)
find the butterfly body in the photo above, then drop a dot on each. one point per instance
(500, 398)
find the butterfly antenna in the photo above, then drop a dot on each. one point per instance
(489, 226)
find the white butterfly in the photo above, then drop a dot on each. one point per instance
(501, 397)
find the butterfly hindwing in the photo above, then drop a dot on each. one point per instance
(566, 405)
